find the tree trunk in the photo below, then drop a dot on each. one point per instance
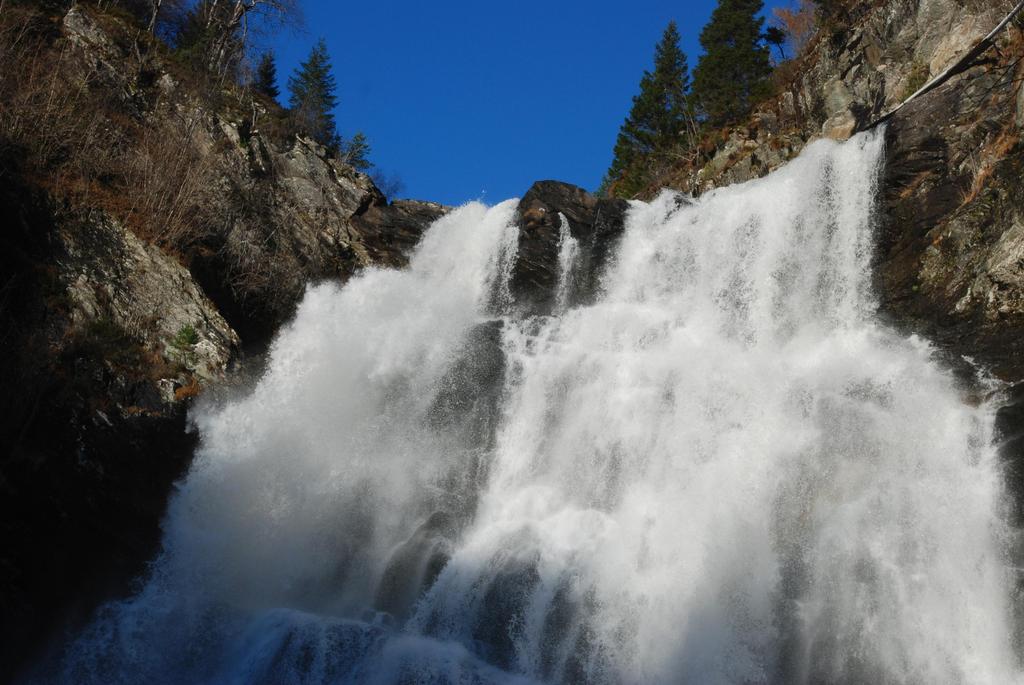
(153, 17)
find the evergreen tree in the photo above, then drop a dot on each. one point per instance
(357, 152)
(266, 76)
(656, 120)
(313, 98)
(733, 73)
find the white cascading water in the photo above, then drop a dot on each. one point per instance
(568, 252)
(725, 470)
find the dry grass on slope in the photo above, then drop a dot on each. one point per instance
(65, 127)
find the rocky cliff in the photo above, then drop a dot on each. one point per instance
(143, 259)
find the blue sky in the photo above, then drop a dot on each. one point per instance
(476, 100)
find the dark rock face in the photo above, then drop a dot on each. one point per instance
(595, 222)
(79, 523)
(1010, 424)
(391, 231)
(952, 236)
(415, 565)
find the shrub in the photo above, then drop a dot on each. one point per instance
(167, 178)
(915, 81)
(187, 338)
(183, 344)
(75, 136)
(104, 339)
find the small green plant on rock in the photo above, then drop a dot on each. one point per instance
(183, 344)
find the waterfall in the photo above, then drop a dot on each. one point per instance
(568, 253)
(725, 469)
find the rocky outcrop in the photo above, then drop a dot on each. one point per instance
(293, 216)
(112, 278)
(595, 223)
(269, 213)
(851, 75)
(391, 231)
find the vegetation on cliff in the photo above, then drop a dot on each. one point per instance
(660, 112)
(733, 76)
(313, 98)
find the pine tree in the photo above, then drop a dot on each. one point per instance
(357, 152)
(733, 73)
(266, 76)
(313, 98)
(656, 120)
